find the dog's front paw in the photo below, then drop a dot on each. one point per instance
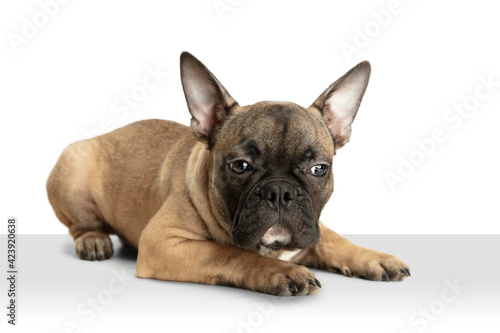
(293, 281)
(377, 266)
(94, 245)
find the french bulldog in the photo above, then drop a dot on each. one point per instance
(233, 200)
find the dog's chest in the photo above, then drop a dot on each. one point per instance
(284, 255)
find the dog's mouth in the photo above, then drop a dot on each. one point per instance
(276, 237)
(275, 214)
(275, 246)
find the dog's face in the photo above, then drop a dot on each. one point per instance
(272, 161)
(273, 173)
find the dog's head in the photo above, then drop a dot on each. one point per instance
(271, 174)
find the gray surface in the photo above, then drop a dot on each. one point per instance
(54, 286)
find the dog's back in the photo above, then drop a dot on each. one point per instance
(126, 163)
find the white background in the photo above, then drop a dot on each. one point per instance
(61, 84)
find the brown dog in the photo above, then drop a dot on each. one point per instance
(224, 205)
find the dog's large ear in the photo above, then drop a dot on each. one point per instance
(339, 103)
(207, 99)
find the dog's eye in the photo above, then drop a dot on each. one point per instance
(240, 166)
(318, 170)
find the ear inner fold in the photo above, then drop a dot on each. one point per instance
(340, 102)
(207, 99)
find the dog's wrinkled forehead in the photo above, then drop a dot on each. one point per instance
(274, 128)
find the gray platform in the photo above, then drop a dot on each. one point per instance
(454, 287)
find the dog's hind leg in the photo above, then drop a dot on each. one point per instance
(74, 205)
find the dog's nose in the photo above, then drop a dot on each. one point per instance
(279, 194)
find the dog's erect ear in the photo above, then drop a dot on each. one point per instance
(208, 101)
(339, 103)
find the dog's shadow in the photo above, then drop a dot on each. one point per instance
(125, 252)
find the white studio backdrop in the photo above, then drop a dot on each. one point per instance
(423, 156)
